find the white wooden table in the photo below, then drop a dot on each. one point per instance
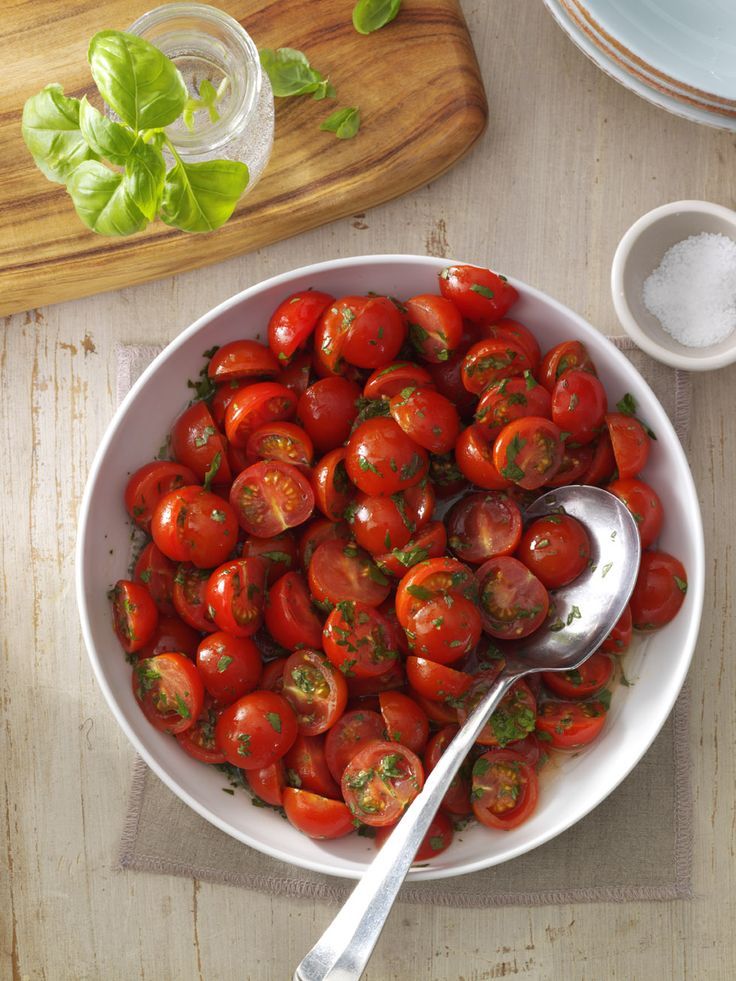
(568, 161)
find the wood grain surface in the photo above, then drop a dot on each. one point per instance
(569, 161)
(416, 82)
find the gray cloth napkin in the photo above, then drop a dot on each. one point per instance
(651, 811)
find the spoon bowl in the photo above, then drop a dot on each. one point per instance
(582, 615)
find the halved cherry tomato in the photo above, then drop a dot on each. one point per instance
(341, 571)
(590, 678)
(315, 689)
(279, 553)
(255, 405)
(333, 491)
(631, 444)
(197, 443)
(483, 525)
(297, 375)
(194, 525)
(383, 523)
(389, 380)
(256, 730)
(514, 718)
(283, 441)
(134, 614)
(619, 639)
(567, 356)
(380, 782)
(445, 628)
(570, 725)
(427, 417)
(294, 320)
(229, 666)
(327, 411)
(199, 739)
(492, 359)
(169, 690)
(437, 839)
(352, 730)
(576, 461)
(659, 591)
(457, 798)
(645, 506)
(271, 496)
(579, 405)
(602, 463)
(290, 617)
(432, 579)
(518, 333)
(272, 678)
(190, 597)
(306, 767)
(381, 459)
(316, 816)
(479, 294)
(331, 333)
(359, 640)
(475, 458)
(505, 789)
(405, 721)
(529, 451)
(320, 530)
(429, 543)
(435, 326)
(268, 783)
(157, 573)
(513, 602)
(447, 377)
(436, 681)
(171, 634)
(149, 484)
(511, 398)
(375, 334)
(556, 548)
(242, 359)
(235, 595)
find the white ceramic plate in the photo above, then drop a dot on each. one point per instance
(616, 69)
(657, 666)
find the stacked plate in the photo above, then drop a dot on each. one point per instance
(678, 54)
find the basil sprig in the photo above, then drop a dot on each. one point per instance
(370, 15)
(116, 172)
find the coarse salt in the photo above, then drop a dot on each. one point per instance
(692, 292)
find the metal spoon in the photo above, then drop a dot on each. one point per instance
(588, 608)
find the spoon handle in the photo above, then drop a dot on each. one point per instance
(343, 950)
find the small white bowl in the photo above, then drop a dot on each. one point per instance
(639, 253)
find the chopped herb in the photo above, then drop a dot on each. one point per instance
(482, 290)
(420, 592)
(218, 516)
(681, 584)
(606, 569)
(274, 720)
(223, 663)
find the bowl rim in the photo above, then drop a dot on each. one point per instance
(620, 298)
(696, 573)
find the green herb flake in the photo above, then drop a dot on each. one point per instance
(681, 584)
(223, 663)
(274, 720)
(482, 291)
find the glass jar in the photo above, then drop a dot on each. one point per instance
(207, 44)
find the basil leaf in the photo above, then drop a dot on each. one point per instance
(290, 74)
(344, 123)
(370, 15)
(136, 80)
(200, 197)
(145, 171)
(51, 132)
(103, 201)
(107, 138)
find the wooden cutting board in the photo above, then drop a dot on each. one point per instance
(416, 82)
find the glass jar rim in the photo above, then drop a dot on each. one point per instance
(221, 131)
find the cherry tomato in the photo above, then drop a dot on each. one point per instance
(330, 336)
(199, 739)
(169, 690)
(575, 463)
(297, 375)
(283, 441)
(579, 405)
(317, 531)
(306, 767)
(505, 789)
(327, 411)
(229, 666)
(197, 443)
(341, 571)
(659, 591)
(235, 594)
(255, 405)
(567, 356)
(256, 730)
(457, 798)
(190, 597)
(514, 718)
(435, 326)
(437, 839)
(491, 360)
(630, 442)
(351, 731)
(134, 614)
(518, 333)
(149, 484)
(315, 689)
(478, 294)
(602, 463)
(389, 380)
(359, 640)
(376, 333)
(556, 548)
(445, 629)
(475, 459)
(508, 399)
(271, 496)
(483, 525)
(333, 491)
(171, 634)
(513, 602)
(316, 816)
(268, 783)
(528, 451)
(381, 459)
(272, 678)
(570, 725)
(429, 543)
(380, 782)
(436, 681)
(429, 580)
(157, 573)
(294, 320)
(383, 523)
(194, 525)
(427, 417)
(590, 678)
(619, 639)
(405, 721)
(290, 617)
(278, 554)
(242, 359)
(645, 506)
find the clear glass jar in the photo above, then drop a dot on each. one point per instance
(206, 43)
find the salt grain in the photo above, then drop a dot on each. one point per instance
(692, 292)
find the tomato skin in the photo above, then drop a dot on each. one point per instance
(389, 380)
(429, 543)
(317, 531)
(437, 839)
(199, 739)
(529, 451)
(435, 326)
(436, 681)
(279, 554)
(508, 399)
(340, 571)
(316, 816)
(483, 525)
(659, 591)
(405, 721)
(566, 356)
(380, 782)
(134, 614)
(169, 691)
(333, 492)
(427, 417)
(268, 783)
(157, 572)
(255, 405)
(376, 333)
(602, 463)
(256, 730)
(289, 615)
(194, 525)
(432, 579)
(297, 375)
(270, 497)
(383, 523)
(306, 767)
(619, 639)
(513, 601)
(445, 633)
(478, 294)
(229, 666)
(190, 597)
(579, 405)
(197, 443)
(294, 320)
(457, 799)
(149, 484)
(475, 459)
(490, 360)
(315, 689)
(381, 459)
(235, 595)
(505, 789)
(359, 640)
(556, 548)
(631, 444)
(242, 359)
(571, 725)
(576, 461)
(327, 411)
(352, 730)
(272, 678)
(645, 506)
(589, 679)
(520, 335)
(171, 634)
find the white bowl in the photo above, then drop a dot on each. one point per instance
(133, 438)
(639, 253)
